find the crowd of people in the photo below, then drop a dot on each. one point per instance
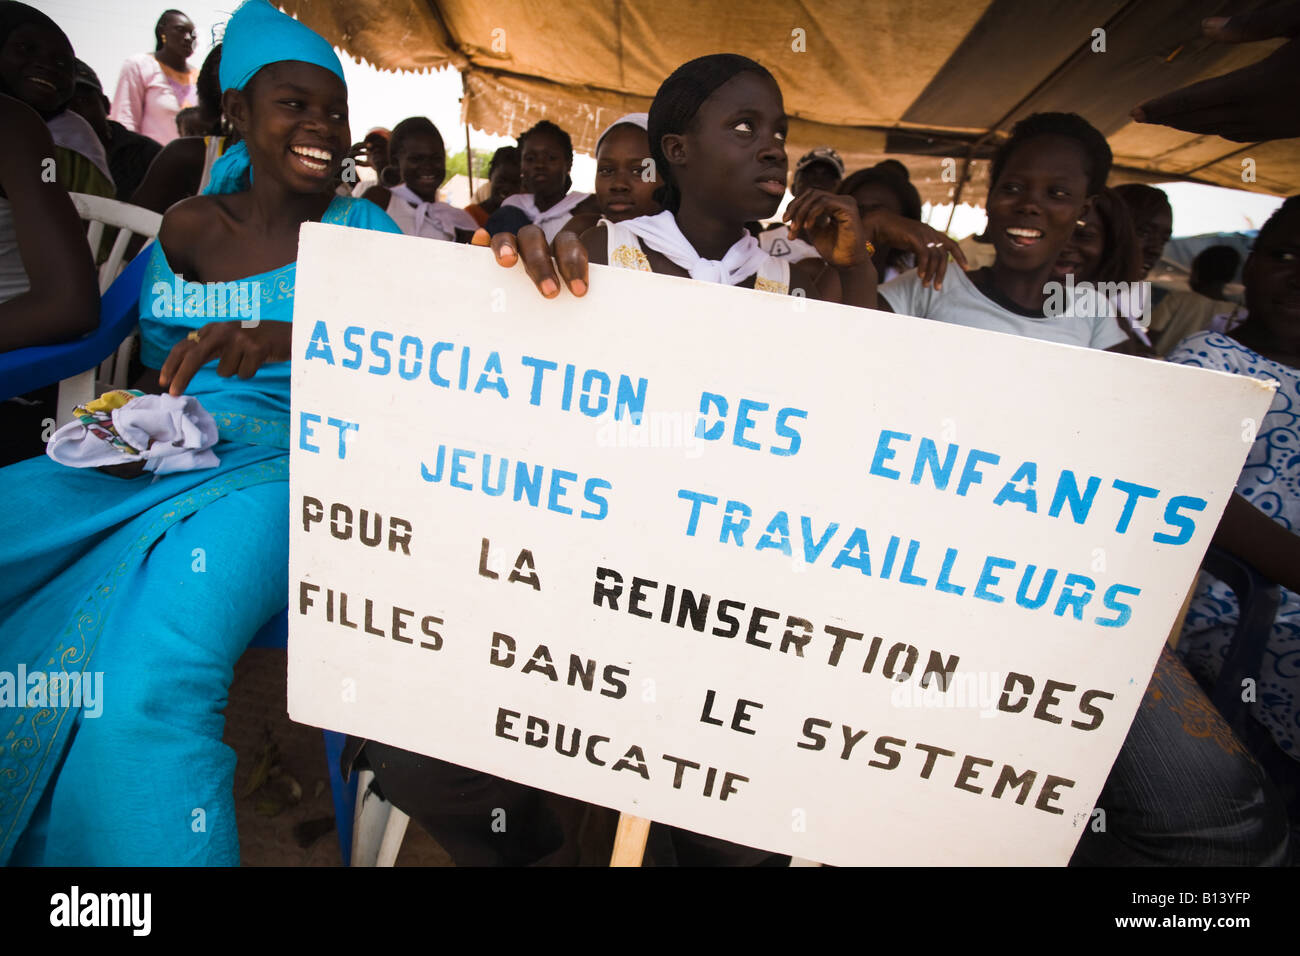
(240, 153)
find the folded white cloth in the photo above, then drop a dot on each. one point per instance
(71, 130)
(431, 220)
(551, 220)
(662, 234)
(777, 243)
(168, 433)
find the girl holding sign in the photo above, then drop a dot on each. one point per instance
(158, 583)
(717, 141)
(716, 134)
(717, 131)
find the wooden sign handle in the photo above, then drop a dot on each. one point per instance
(629, 840)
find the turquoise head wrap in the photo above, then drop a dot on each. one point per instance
(256, 36)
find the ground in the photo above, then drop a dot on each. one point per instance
(274, 830)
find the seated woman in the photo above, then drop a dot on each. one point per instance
(503, 182)
(1104, 249)
(421, 159)
(158, 583)
(1262, 521)
(886, 186)
(548, 199)
(37, 66)
(48, 289)
(622, 162)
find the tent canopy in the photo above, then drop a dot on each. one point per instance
(937, 82)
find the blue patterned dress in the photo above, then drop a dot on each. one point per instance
(1270, 480)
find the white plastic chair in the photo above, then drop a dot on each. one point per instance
(378, 826)
(129, 221)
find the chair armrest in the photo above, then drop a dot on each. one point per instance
(24, 370)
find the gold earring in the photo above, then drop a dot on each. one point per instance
(1080, 223)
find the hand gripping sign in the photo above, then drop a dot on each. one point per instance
(856, 587)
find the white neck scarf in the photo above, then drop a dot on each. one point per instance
(71, 131)
(662, 234)
(528, 203)
(434, 220)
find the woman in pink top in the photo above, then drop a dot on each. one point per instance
(154, 87)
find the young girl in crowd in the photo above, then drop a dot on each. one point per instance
(47, 281)
(717, 134)
(417, 150)
(503, 182)
(545, 158)
(1104, 249)
(48, 292)
(37, 66)
(1262, 521)
(1153, 220)
(1044, 179)
(885, 187)
(625, 180)
(109, 582)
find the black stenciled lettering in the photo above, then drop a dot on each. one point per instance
(608, 593)
(505, 720)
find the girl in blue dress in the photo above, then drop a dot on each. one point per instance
(151, 587)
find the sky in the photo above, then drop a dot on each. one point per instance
(105, 32)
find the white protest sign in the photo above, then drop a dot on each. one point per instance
(851, 586)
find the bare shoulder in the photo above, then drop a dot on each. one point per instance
(186, 226)
(191, 212)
